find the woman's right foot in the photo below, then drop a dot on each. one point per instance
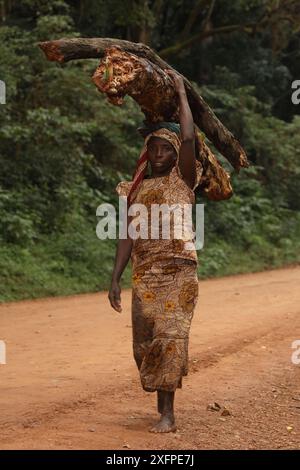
(165, 424)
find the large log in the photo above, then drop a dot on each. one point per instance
(121, 73)
(64, 50)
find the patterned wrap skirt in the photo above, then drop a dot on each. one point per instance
(164, 296)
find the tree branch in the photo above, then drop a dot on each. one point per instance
(169, 51)
(191, 19)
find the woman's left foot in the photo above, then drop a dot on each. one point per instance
(165, 424)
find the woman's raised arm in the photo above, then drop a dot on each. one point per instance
(187, 157)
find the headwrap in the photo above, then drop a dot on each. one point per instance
(153, 126)
(163, 129)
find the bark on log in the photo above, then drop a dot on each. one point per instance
(64, 50)
(121, 73)
(215, 181)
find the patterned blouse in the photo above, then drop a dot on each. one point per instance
(171, 190)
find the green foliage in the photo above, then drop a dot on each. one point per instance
(64, 148)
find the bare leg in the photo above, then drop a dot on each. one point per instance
(167, 419)
(160, 401)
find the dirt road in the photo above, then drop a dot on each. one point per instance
(70, 381)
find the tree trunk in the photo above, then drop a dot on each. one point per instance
(64, 50)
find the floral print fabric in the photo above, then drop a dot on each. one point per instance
(171, 190)
(164, 295)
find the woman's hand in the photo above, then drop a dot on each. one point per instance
(177, 79)
(114, 296)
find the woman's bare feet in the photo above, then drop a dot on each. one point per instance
(165, 401)
(165, 424)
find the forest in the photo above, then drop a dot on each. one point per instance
(64, 147)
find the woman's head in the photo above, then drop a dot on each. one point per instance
(164, 142)
(161, 154)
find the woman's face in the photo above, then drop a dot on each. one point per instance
(161, 155)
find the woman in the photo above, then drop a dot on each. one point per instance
(164, 271)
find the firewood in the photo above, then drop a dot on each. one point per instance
(66, 49)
